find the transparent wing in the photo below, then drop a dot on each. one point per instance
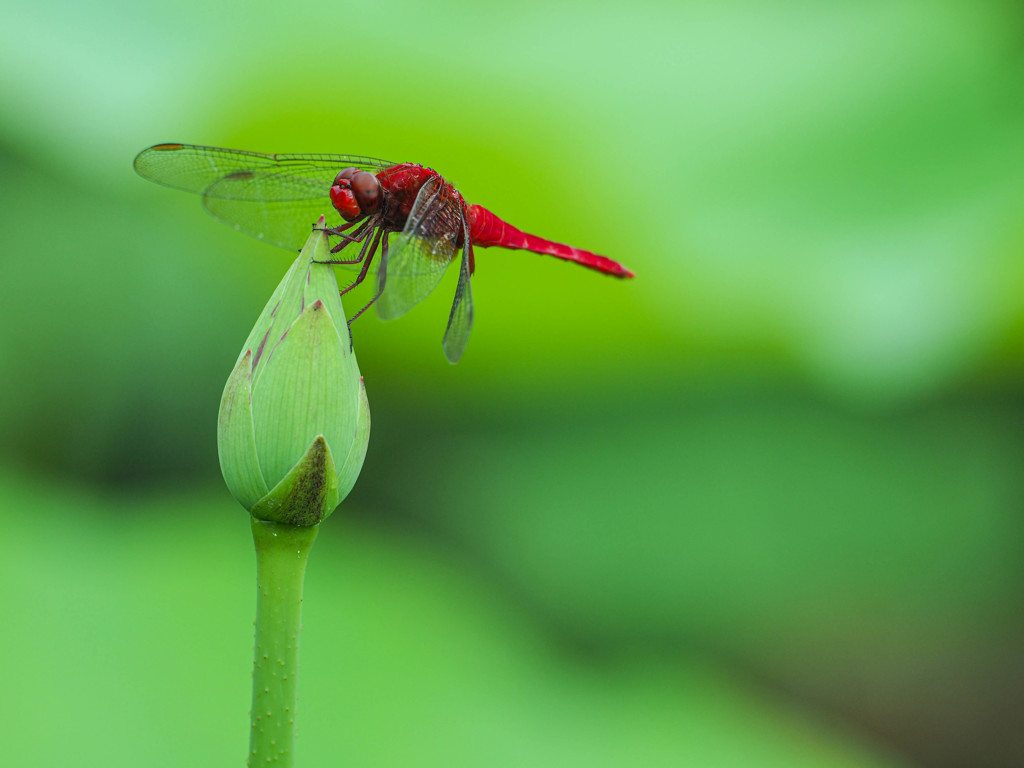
(286, 223)
(419, 256)
(274, 198)
(460, 321)
(287, 177)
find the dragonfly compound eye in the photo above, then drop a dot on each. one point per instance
(344, 200)
(367, 191)
(346, 174)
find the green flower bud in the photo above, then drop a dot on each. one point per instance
(294, 419)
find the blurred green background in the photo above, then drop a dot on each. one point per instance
(760, 506)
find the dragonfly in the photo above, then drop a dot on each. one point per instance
(275, 197)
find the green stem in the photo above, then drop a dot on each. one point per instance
(281, 552)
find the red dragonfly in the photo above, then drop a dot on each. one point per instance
(275, 197)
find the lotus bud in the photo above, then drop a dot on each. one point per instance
(294, 419)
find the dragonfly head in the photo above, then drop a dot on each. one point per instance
(355, 193)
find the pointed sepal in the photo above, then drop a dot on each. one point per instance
(307, 494)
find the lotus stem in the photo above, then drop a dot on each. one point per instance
(281, 552)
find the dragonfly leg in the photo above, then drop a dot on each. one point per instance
(383, 259)
(362, 253)
(338, 229)
(355, 237)
(367, 261)
(343, 236)
(365, 228)
(340, 232)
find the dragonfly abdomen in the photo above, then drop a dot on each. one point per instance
(486, 230)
